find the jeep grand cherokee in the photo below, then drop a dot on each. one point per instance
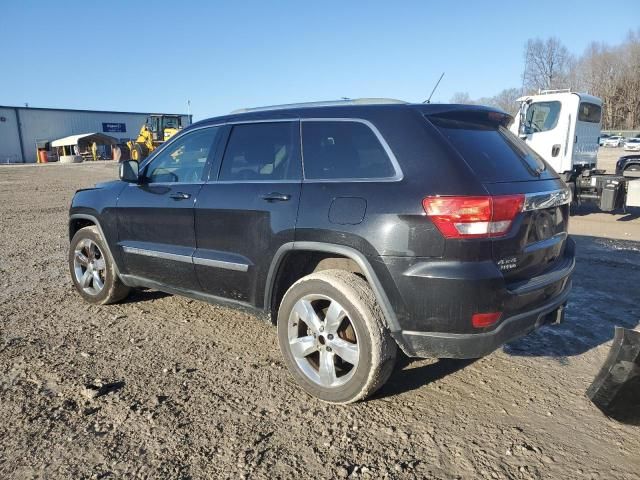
(358, 227)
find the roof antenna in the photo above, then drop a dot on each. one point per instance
(428, 100)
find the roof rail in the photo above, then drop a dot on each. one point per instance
(558, 90)
(329, 103)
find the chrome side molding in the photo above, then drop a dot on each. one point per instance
(207, 262)
(156, 254)
(239, 267)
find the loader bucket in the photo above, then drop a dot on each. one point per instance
(616, 389)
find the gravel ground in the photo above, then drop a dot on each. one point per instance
(167, 387)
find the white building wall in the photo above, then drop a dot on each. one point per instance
(48, 125)
(9, 138)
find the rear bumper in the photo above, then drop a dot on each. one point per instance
(438, 299)
(475, 345)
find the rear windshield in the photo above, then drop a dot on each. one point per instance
(489, 148)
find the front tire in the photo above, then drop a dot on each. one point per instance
(93, 270)
(333, 337)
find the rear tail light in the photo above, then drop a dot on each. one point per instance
(481, 320)
(473, 217)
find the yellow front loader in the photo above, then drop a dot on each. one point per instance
(157, 129)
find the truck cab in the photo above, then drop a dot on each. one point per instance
(561, 126)
(163, 127)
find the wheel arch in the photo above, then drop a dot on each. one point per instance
(78, 221)
(329, 248)
(632, 164)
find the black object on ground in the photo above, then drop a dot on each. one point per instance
(616, 388)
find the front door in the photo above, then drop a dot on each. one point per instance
(155, 217)
(245, 214)
(546, 133)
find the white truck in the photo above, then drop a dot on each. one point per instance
(563, 127)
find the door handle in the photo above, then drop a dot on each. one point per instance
(180, 196)
(276, 197)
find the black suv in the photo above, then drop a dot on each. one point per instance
(357, 226)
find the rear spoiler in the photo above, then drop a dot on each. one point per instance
(469, 113)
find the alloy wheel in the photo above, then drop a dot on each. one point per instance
(323, 341)
(89, 266)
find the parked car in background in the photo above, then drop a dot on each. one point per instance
(614, 141)
(602, 138)
(632, 145)
(358, 227)
(628, 165)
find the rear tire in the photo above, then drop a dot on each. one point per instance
(333, 337)
(92, 269)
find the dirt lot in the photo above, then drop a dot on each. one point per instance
(201, 391)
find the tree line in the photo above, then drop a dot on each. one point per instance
(611, 72)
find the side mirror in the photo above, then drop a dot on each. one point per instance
(129, 171)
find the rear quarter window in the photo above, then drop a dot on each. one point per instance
(343, 150)
(490, 149)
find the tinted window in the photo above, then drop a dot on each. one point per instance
(589, 112)
(492, 152)
(262, 151)
(184, 159)
(334, 149)
(542, 116)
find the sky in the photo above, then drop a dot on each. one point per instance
(156, 56)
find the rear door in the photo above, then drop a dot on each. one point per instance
(248, 211)
(156, 216)
(505, 165)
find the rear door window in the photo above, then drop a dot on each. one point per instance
(262, 152)
(343, 150)
(489, 148)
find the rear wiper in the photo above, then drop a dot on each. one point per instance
(537, 168)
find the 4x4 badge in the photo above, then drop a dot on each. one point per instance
(507, 264)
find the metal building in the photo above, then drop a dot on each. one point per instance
(22, 128)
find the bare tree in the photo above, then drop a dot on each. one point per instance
(599, 71)
(547, 65)
(506, 100)
(609, 72)
(462, 97)
(630, 80)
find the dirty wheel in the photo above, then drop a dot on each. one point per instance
(92, 269)
(333, 338)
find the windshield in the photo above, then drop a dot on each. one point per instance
(541, 117)
(171, 122)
